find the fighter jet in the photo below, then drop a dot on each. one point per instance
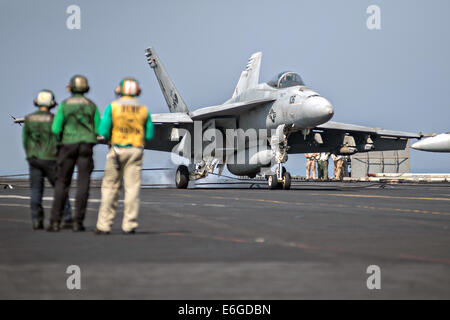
(294, 118)
(439, 143)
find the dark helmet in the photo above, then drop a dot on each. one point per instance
(45, 98)
(78, 84)
(128, 87)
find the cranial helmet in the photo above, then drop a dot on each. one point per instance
(128, 87)
(78, 84)
(45, 98)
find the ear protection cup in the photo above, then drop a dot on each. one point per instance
(128, 87)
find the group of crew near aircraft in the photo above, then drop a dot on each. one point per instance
(56, 143)
(317, 164)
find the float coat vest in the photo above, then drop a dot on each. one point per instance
(38, 139)
(129, 118)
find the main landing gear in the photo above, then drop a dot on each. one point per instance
(182, 177)
(202, 169)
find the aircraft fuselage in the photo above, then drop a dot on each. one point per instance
(298, 107)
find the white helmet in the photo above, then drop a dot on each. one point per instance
(45, 98)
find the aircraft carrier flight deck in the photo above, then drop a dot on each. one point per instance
(314, 241)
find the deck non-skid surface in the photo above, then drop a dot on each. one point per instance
(315, 241)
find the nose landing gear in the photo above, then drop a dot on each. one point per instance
(279, 145)
(286, 183)
(274, 182)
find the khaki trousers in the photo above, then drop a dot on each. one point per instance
(311, 165)
(338, 169)
(130, 160)
(323, 169)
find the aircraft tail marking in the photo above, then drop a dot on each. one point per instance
(173, 98)
(250, 76)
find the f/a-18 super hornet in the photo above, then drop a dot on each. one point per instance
(291, 117)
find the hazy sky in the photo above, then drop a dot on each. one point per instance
(395, 78)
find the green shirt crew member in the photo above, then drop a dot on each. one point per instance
(41, 148)
(127, 124)
(323, 165)
(76, 125)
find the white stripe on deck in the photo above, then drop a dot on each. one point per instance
(43, 198)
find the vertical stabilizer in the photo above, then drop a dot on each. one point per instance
(250, 76)
(170, 92)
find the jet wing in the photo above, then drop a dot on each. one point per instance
(346, 138)
(18, 120)
(164, 126)
(229, 109)
(170, 118)
(350, 128)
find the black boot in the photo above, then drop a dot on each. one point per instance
(67, 224)
(38, 225)
(100, 232)
(53, 227)
(132, 231)
(78, 227)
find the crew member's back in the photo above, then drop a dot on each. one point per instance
(76, 124)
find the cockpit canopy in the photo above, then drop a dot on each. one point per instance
(285, 80)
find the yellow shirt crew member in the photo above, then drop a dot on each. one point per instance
(128, 125)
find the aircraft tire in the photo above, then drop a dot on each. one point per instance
(182, 177)
(272, 182)
(286, 183)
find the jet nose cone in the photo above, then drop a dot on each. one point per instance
(329, 110)
(321, 108)
(315, 110)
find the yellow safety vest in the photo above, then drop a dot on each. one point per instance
(128, 122)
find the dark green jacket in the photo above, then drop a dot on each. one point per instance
(76, 120)
(38, 139)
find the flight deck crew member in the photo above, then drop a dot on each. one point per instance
(311, 159)
(345, 163)
(76, 124)
(323, 165)
(128, 125)
(338, 162)
(41, 147)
